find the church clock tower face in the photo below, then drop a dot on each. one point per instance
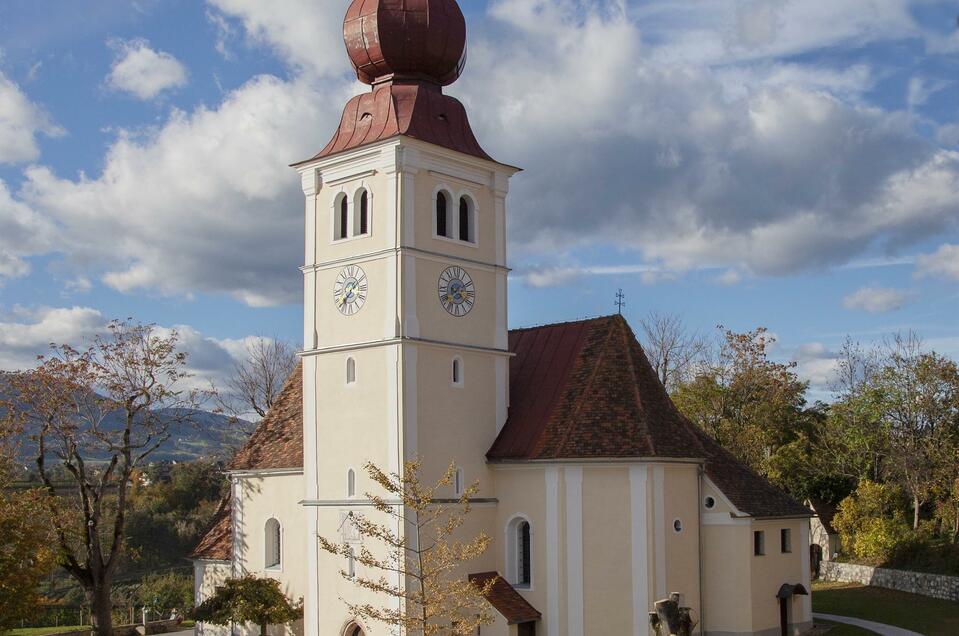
(349, 290)
(457, 292)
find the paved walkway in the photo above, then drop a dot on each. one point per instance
(879, 628)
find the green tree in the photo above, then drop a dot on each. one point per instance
(871, 522)
(27, 552)
(249, 600)
(164, 592)
(750, 404)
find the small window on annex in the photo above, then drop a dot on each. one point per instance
(786, 540)
(520, 553)
(273, 537)
(759, 543)
(444, 219)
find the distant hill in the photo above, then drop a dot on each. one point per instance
(210, 436)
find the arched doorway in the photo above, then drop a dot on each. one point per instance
(353, 630)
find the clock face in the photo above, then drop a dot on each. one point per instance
(349, 290)
(457, 292)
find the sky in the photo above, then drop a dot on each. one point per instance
(792, 164)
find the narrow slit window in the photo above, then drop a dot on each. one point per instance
(458, 482)
(351, 483)
(525, 560)
(759, 543)
(364, 213)
(342, 221)
(274, 536)
(457, 372)
(442, 215)
(350, 371)
(466, 221)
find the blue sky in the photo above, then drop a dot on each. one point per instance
(765, 162)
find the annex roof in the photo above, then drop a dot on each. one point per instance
(277, 441)
(217, 543)
(505, 599)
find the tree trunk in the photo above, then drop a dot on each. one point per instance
(263, 627)
(101, 611)
(915, 512)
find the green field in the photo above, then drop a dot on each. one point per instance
(910, 611)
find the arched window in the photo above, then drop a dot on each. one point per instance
(362, 214)
(444, 225)
(342, 218)
(458, 482)
(274, 537)
(519, 552)
(467, 229)
(351, 483)
(354, 630)
(351, 564)
(350, 371)
(457, 372)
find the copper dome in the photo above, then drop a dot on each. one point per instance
(422, 40)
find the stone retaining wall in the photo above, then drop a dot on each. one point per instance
(933, 585)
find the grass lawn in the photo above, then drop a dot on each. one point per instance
(39, 631)
(919, 613)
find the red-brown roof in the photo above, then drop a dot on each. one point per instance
(507, 601)
(217, 543)
(277, 441)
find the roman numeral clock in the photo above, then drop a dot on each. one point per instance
(457, 292)
(350, 289)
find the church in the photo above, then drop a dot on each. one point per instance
(599, 496)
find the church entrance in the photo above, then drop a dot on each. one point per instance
(354, 630)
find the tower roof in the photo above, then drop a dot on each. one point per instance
(408, 50)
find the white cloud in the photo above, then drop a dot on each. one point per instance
(27, 333)
(817, 365)
(205, 203)
(877, 300)
(142, 72)
(948, 135)
(21, 121)
(23, 233)
(943, 262)
(306, 33)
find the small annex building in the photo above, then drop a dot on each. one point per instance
(599, 496)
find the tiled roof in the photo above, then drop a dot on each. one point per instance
(507, 601)
(579, 390)
(217, 543)
(277, 441)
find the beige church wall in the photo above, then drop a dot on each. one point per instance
(727, 570)
(375, 321)
(681, 502)
(382, 219)
(775, 568)
(427, 184)
(207, 576)
(477, 328)
(456, 423)
(351, 418)
(607, 576)
(721, 506)
(521, 491)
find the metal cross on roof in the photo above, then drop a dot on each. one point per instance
(620, 301)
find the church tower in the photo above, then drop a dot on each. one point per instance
(405, 282)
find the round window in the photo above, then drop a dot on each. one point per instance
(678, 525)
(709, 503)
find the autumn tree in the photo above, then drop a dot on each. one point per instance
(673, 349)
(27, 554)
(422, 565)
(249, 600)
(750, 404)
(96, 415)
(257, 380)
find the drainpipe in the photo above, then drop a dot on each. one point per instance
(699, 509)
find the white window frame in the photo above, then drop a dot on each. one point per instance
(335, 218)
(268, 546)
(453, 216)
(513, 563)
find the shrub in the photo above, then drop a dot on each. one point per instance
(871, 521)
(164, 592)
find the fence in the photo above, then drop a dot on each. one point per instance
(61, 615)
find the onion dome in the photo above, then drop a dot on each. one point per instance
(397, 40)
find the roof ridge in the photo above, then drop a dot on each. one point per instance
(562, 323)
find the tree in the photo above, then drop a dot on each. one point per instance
(164, 592)
(422, 567)
(256, 382)
(920, 405)
(249, 600)
(27, 554)
(870, 521)
(674, 351)
(98, 414)
(748, 403)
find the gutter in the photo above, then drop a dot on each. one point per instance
(699, 508)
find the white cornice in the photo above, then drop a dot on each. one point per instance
(265, 472)
(389, 342)
(426, 254)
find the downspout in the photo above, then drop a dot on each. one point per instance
(699, 508)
